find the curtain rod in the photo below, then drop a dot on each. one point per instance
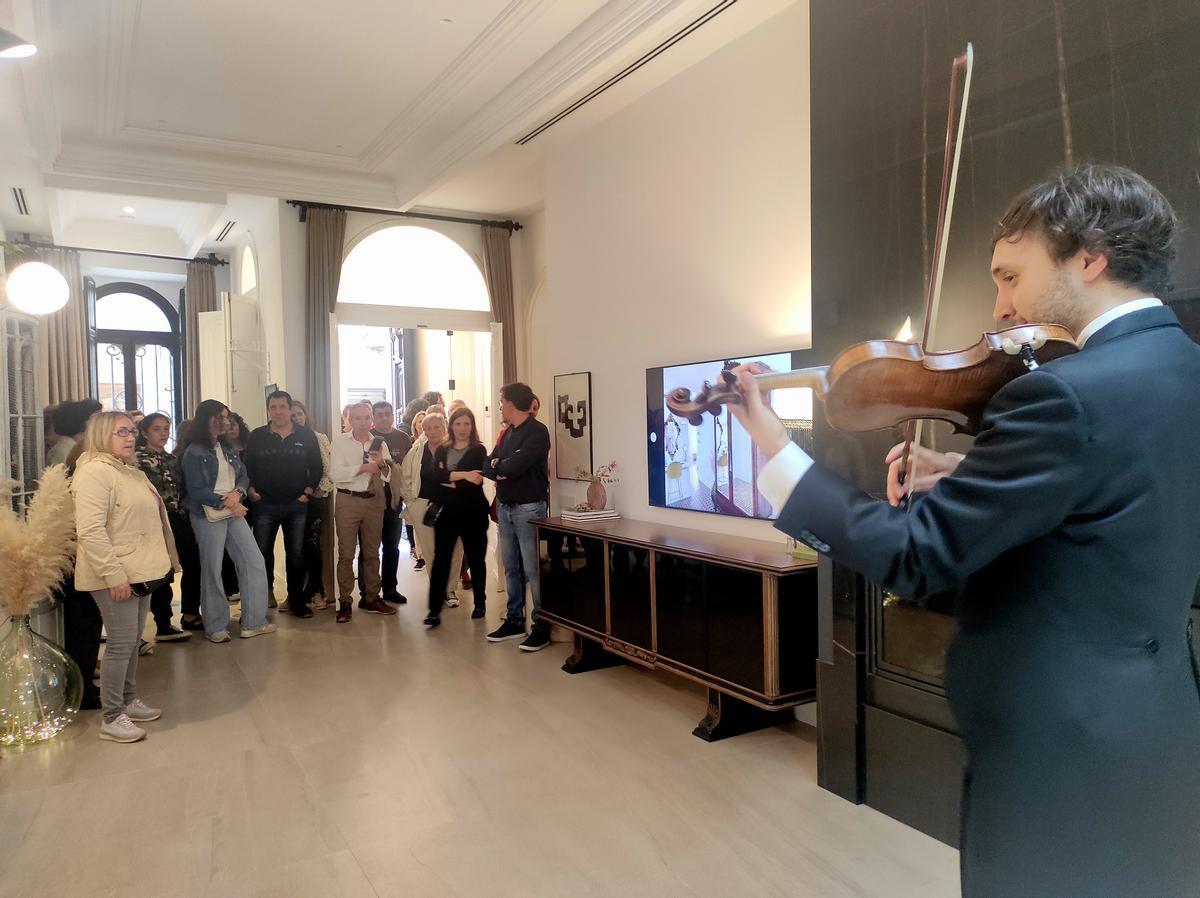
(210, 259)
(305, 205)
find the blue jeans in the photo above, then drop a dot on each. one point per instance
(293, 516)
(519, 548)
(215, 538)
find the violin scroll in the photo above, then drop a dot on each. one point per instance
(710, 399)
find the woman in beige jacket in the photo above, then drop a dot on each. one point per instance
(124, 553)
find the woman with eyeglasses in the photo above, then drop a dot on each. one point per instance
(215, 482)
(125, 551)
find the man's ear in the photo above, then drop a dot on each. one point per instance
(1094, 265)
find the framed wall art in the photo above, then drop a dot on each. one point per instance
(573, 426)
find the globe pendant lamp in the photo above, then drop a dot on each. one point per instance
(37, 288)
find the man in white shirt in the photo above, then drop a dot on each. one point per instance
(1073, 525)
(359, 474)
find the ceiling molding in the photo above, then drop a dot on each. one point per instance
(32, 18)
(611, 30)
(246, 149)
(123, 17)
(515, 18)
(136, 188)
(123, 163)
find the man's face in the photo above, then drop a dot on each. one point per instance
(385, 418)
(1031, 288)
(507, 409)
(360, 417)
(279, 410)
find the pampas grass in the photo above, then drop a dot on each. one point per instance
(37, 551)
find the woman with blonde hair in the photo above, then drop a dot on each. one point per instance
(125, 552)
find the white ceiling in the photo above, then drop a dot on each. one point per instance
(170, 106)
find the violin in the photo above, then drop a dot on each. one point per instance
(882, 384)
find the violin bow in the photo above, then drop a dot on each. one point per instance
(963, 65)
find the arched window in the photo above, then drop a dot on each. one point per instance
(248, 274)
(412, 266)
(136, 362)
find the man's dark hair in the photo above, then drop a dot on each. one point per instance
(279, 394)
(433, 397)
(410, 410)
(382, 403)
(518, 394)
(1104, 209)
(71, 417)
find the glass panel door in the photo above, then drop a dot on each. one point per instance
(154, 378)
(110, 376)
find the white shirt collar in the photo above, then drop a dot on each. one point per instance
(1134, 305)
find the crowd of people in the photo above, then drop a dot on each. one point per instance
(209, 512)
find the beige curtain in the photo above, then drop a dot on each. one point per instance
(497, 269)
(64, 366)
(200, 295)
(325, 234)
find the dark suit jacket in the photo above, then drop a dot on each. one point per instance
(1074, 522)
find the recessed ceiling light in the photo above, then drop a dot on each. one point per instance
(13, 47)
(128, 210)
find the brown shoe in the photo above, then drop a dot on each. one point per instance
(375, 606)
(345, 610)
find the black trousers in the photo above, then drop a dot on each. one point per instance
(313, 558)
(189, 560)
(81, 634)
(393, 529)
(472, 528)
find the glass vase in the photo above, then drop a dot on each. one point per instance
(40, 686)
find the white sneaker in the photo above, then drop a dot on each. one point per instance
(452, 601)
(121, 730)
(249, 632)
(218, 637)
(138, 710)
(319, 603)
(145, 648)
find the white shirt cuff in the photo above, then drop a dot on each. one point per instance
(780, 475)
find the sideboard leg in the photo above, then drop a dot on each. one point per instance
(728, 716)
(589, 655)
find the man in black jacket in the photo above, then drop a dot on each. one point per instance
(520, 468)
(283, 461)
(1074, 522)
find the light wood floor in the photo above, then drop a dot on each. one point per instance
(378, 759)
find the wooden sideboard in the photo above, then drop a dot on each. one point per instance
(736, 615)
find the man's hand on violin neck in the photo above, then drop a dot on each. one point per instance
(763, 425)
(925, 468)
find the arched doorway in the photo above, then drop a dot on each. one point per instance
(136, 362)
(414, 315)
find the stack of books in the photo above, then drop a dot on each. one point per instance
(579, 517)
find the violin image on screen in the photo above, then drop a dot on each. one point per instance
(881, 384)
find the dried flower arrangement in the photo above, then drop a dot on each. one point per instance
(603, 474)
(38, 550)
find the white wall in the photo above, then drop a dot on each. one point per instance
(529, 275)
(678, 231)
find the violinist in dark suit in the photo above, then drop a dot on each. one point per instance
(1074, 523)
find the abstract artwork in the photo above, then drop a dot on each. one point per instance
(573, 425)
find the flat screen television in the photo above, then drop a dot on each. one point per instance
(713, 467)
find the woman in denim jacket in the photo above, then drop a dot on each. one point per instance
(214, 482)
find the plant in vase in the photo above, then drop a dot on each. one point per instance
(597, 497)
(40, 686)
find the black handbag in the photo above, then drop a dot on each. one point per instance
(432, 513)
(151, 586)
